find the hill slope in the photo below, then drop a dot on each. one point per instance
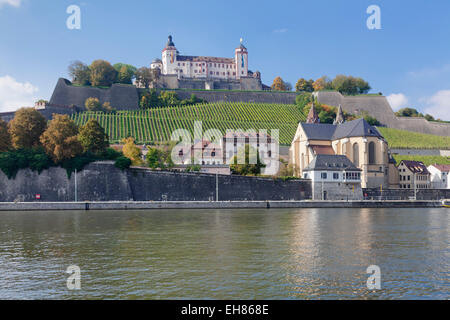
(157, 124)
(403, 139)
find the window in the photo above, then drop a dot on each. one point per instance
(305, 176)
(372, 156)
(409, 178)
(324, 175)
(269, 154)
(335, 176)
(356, 154)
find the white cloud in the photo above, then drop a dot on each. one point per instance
(439, 105)
(282, 30)
(14, 3)
(397, 100)
(14, 94)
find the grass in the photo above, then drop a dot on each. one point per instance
(427, 160)
(157, 125)
(403, 139)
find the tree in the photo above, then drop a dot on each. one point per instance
(5, 138)
(145, 76)
(278, 84)
(93, 104)
(26, 128)
(122, 163)
(246, 168)
(131, 151)
(125, 73)
(149, 100)
(350, 85)
(168, 98)
(304, 85)
(93, 137)
(60, 140)
(102, 73)
(407, 112)
(80, 73)
(288, 86)
(160, 158)
(323, 83)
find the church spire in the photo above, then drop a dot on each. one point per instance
(312, 115)
(339, 116)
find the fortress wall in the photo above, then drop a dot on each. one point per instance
(120, 96)
(102, 181)
(236, 96)
(379, 107)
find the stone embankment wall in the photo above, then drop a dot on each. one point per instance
(101, 181)
(403, 194)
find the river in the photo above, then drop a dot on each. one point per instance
(226, 254)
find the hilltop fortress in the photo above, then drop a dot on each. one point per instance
(201, 72)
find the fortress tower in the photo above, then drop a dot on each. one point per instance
(241, 58)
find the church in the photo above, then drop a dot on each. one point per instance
(203, 72)
(360, 142)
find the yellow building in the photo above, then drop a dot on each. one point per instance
(358, 140)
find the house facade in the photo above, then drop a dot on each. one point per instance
(413, 175)
(334, 177)
(439, 176)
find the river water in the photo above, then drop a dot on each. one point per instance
(226, 254)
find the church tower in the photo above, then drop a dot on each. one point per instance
(339, 116)
(241, 61)
(312, 115)
(169, 57)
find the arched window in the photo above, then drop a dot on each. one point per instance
(372, 155)
(356, 154)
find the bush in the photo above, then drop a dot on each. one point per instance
(35, 159)
(111, 154)
(122, 163)
(77, 163)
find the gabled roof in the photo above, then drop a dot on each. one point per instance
(318, 149)
(415, 166)
(355, 128)
(442, 167)
(326, 162)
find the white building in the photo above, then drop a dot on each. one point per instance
(334, 177)
(200, 67)
(440, 174)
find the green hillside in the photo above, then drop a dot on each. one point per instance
(413, 140)
(427, 160)
(156, 125)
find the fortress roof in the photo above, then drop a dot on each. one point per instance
(205, 59)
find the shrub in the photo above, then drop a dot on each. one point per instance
(122, 163)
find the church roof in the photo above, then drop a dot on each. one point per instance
(312, 115)
(326, 162)
(355, 128)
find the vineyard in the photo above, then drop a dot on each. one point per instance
(403, 139)
(157, 125)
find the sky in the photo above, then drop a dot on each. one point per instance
(407, 59)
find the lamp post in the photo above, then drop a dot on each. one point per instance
(76, 187)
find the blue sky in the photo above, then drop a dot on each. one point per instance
(407, 60)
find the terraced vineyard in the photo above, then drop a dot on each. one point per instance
(157, 125)
(413, 140)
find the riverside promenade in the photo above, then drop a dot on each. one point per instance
(148, 205)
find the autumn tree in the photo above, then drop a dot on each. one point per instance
(80, 73)
(60, 140)
(304, 85)
(102, 73)
(125, 73)
(93, 104)
(26, 128)
(5, 138)
(131, 151)
(145, 76)
(93, 137)
(278, 84)
(323, 83)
